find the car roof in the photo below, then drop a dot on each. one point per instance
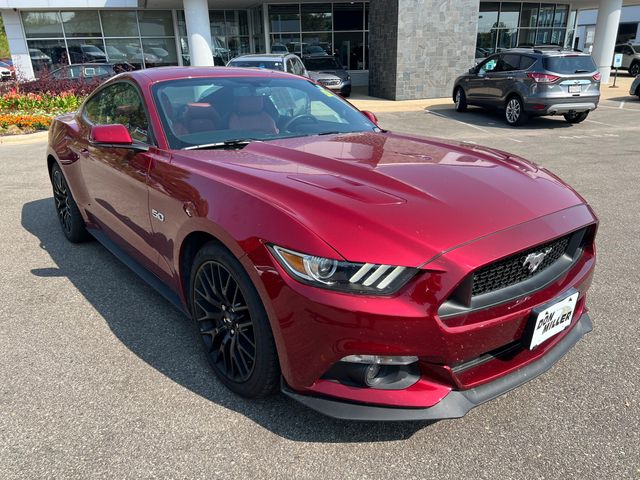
(160, 74)
(544, 50)
(263, 56)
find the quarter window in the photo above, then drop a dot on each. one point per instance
(119, 103)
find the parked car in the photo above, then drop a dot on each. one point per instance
(526, 82)
(90, 71)
(630, 58)
(5, 73)
(287, 62)
(8, 65)
(315, 252)
(40, 59)
(327, 70)
(86, 53)
(279, 48)
(635, 87)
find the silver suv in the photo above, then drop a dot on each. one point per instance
(630, 58)
(526, 82)
(285, 62)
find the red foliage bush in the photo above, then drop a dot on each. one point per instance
(52, 86)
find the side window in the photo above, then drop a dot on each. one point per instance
(119, 103)
(488, 65)
(509, 62)
(290, 67)
(619, 48)
(526, 62)
(299, 67)
(628, 50)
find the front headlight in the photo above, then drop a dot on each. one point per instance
(364, 278)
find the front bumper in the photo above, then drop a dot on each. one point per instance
(635, 87)
(458, 402)
(343, 88)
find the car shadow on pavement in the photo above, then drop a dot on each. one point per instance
(165, 339)
(488, 118)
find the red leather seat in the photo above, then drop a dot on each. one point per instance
(201, 117)
(250, 115)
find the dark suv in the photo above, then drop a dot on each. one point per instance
(532, 82)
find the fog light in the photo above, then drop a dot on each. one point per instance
(380, 359)
(371, 373)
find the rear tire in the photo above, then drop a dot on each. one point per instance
(514, 112)
(71, 220)
(460, 99)
(232, 324)
(634, 69)
(576, 117)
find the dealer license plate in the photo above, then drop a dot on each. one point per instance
(575, 88)
(552, 320)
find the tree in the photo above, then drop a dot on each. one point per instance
(4, 45)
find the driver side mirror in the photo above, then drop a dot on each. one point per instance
(114, 136)
(371, 116)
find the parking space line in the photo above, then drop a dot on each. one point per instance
(601, 123)
(483, 130)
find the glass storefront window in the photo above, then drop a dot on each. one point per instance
(237, 22)
(527, 37)
(42, 24)
(284, 18)
(155, 23)
(86, 51)
(82, 23)
(119, 23)
(348, 16)
(507, 38)
(545, 18)
(322, 40)
(159, 52)
(509, 15)
(316, 17)
(126, 50)
(529, 16)
(350, 49)
(561, 15)
(487, 23)
(47, 55)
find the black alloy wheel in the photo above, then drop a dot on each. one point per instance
(71, 221)
(232, 324)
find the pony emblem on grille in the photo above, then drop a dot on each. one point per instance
(534, 260)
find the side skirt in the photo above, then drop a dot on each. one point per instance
(139, 270)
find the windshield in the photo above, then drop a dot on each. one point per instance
(269, 65)
(570, 64)
(202, 111)
(321, 64)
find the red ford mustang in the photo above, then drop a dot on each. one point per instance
(366, 274)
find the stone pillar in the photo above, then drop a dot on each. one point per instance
(196, 16)
(17, 44)
(604, 42)
(418, 47)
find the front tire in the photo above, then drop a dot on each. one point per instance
(460, 99)
(232, 324)
(71, 220)
(514, 112)
(576, 117)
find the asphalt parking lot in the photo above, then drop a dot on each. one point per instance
(101, 377)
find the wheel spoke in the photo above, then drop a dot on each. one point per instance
(224, 321)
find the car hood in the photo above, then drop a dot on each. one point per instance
(342, 74)
(389, 198)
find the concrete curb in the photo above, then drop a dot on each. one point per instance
(25, 138)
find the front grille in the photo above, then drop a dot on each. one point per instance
(512, 269)
(329, 81)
